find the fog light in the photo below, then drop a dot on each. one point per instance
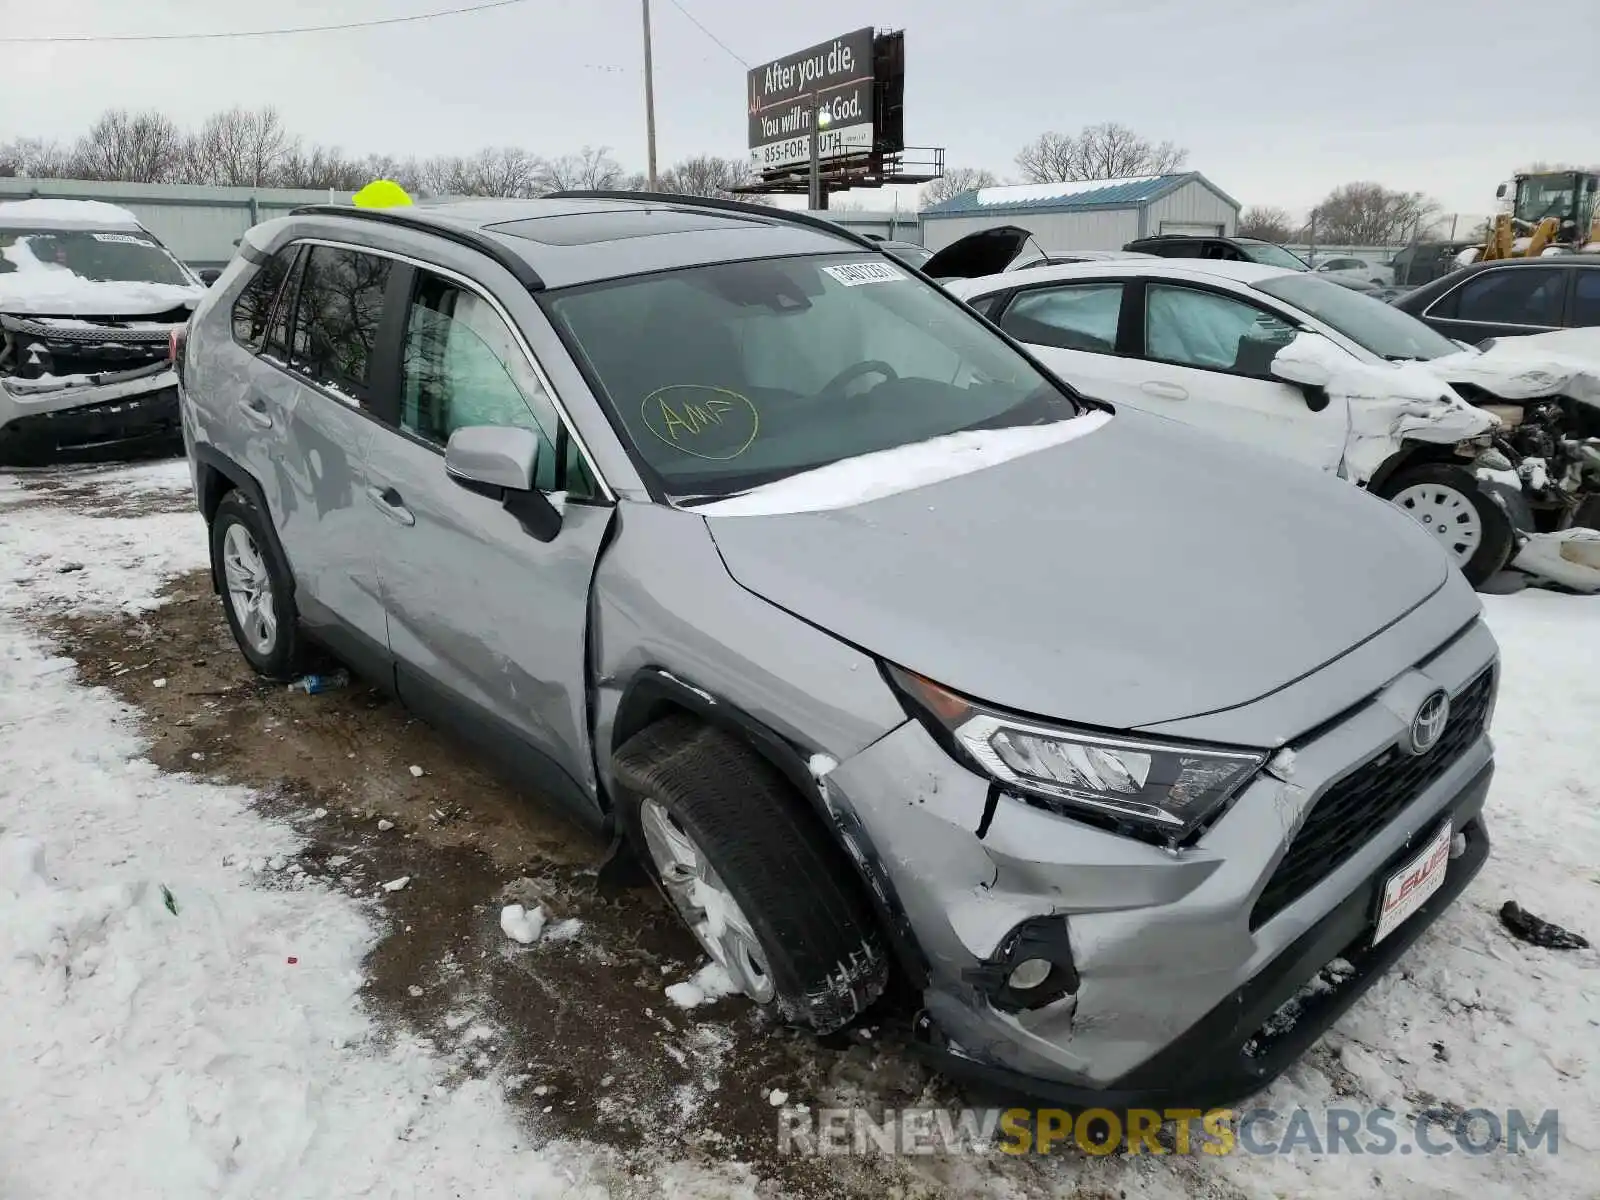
(1029, 974)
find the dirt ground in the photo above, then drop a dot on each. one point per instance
(579, 1022)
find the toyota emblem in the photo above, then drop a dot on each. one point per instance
(1427, 727)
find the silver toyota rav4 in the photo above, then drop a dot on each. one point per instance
(892, 657)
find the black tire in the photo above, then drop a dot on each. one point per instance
(283, 660)
(1498, 542)
(804, 902)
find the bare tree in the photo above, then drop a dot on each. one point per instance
(239, 148)
(35, 158)
(1267, 223)
(710, 175)
(321, 167)
(136, 147)
(1050, 157)
(1105, 151)
(954, 181)
(591, 169)
(1369, 214)
(495, 171)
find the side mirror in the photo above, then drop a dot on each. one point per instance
(209, 275)
(1309, 361)
(501, 462)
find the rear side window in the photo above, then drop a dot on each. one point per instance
(1514, 297)
(1586, 299)
(253, 309)
(1080, 317)
(337, 316)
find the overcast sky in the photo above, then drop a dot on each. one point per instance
(1276, 100)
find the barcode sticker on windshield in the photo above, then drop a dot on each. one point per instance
(125, 238)
(851, 274)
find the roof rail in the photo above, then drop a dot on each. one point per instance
(519, 267)
(788, 215)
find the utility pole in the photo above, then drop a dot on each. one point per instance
(650, 104)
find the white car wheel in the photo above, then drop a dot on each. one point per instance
(1446, 513)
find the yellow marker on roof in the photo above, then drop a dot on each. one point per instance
(381, 193)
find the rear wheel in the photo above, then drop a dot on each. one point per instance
(752, 874)
(1447, 501)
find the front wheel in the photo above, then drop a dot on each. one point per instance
(257, 593)
(1447, 501)
(752, 873)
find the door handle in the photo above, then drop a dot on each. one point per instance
(387, 501)
(255, 411)
(1169, 391)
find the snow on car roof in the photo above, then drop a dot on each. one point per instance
(1173, 268)
(66, 212)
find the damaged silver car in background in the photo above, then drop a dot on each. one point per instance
(89, 302)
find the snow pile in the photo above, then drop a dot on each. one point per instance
(1526, 368)
(1028, 193)
(902, 468)
(706, 986)
(82, 213)
(522, 924)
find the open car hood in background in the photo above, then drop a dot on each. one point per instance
(987, 252)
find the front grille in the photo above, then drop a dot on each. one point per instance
(1366, 800)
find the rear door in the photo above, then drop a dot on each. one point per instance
(310, 398)
(1073, 328)
(1502, 302)
(488, 626)
(1206, 359)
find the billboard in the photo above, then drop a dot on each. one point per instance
(840, 75)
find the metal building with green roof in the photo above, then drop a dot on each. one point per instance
(1089, 214)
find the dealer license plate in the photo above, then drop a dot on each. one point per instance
(1409, 887)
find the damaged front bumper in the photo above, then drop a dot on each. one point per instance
(1167, 968)
(109, 415)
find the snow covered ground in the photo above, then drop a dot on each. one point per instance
(174, 1023)
(213, 1045)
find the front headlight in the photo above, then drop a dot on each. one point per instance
(1164, 788)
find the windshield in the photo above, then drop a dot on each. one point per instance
(1273, 256)
(1547, 196)
(100, 255)
(1373, 325)
(722, 378)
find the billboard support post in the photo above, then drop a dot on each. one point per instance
(818, 198)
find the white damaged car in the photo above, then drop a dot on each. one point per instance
(1484, 455)
(89, 301)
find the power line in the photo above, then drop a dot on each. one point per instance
(262, 33)
(708, 33)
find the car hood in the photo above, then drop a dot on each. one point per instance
(987, 252)
(1143, 573)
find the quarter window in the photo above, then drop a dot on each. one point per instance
(1201, 329)
(1080, 317)
(462, 366)
(336, 318)
(1514, 297)
(253, 309)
